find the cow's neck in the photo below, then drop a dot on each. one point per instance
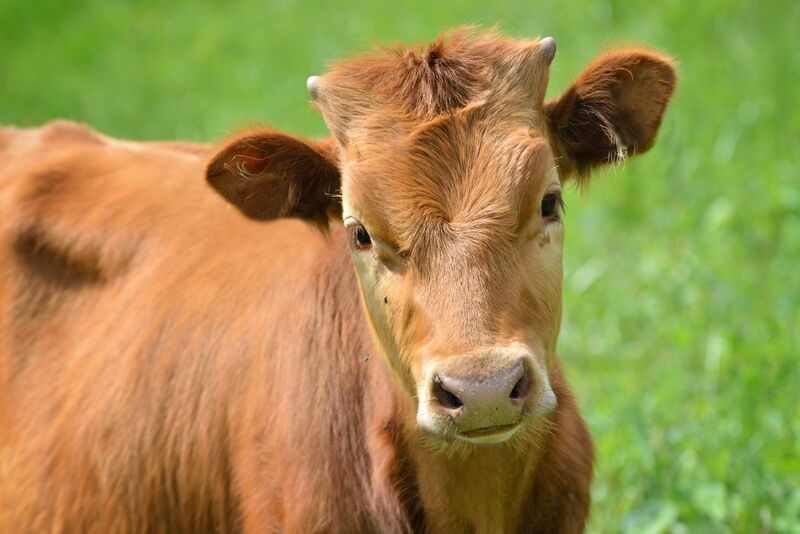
(460, 487)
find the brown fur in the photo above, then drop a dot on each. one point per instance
(613, 109)
(168, 365)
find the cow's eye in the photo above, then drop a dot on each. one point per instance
(550, 204)
(361, 238)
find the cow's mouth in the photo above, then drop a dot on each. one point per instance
(490, 434)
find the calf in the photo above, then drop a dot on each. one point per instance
(368, 344)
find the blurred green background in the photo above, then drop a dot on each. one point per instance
(682, 268)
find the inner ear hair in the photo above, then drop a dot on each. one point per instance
(612, 111)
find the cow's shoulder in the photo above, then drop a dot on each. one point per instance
(73, 200)
(77, 208)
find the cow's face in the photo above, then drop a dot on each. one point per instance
(456, 233)
(450, 168)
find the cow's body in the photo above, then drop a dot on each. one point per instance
(169, 365)
(368, 344)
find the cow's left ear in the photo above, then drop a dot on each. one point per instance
(268, 174)
(612, 111)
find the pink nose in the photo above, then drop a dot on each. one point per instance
(486, 394)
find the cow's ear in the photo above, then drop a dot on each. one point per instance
(269, 174)
(612, 111)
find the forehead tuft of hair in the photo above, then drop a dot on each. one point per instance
(426, 81)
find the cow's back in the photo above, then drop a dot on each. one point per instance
(131, 298)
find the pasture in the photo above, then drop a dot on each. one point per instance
(681, 328)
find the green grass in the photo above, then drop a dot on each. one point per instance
(682, 324)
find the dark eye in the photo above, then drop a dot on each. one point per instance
(361, 238)
(550, 204)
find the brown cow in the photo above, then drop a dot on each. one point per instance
(170, 365)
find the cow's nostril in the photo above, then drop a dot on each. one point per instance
(445, 398)
(520, 389)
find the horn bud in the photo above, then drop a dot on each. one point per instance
(547, 46)
(312, 84)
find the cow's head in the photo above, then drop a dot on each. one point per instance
(450, 166)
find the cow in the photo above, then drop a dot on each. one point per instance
(356, 334)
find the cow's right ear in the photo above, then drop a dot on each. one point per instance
(268, 174)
